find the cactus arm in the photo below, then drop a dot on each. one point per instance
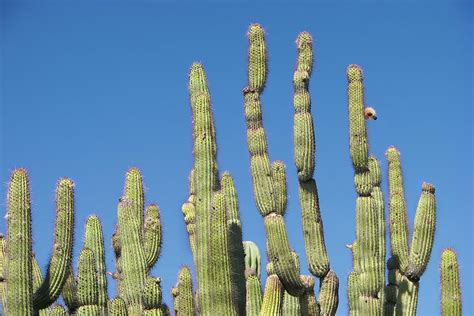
(183, 294)
(87, 284)
(69, 291)
(398, 211)
(358, 144)
(134, 192)
(303, 121)
(451, 303)
(291, 305)
(189, 212)
(205, 178)
(153, 235)
(152, 294)
(236, 249)
(61, 258)
(308, 304)
(117, 307)
(304, 156)
(313, 232)
(252, 279)
(37, 275)
(256, 139)
(328, 299)
(353, 293)
(19, 247)
(220, 263)
(94, 240)
(423, 233)
(273, 297)
(133, 257)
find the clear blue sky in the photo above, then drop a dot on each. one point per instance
(88, 91)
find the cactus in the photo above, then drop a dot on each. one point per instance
(183, 294)
(410, 262)
(22, 294)
(451, 303)
(368, 250)
(228, 269)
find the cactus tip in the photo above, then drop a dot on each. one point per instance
(428, 188)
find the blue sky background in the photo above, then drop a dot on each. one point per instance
(88, 91)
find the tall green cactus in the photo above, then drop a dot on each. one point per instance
(366, 284)
(252, 276)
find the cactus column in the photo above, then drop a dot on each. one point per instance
(366, 284)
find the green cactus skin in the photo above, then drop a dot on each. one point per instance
(280, 185)
(257, 142)
(183, 294)
(57, 310)
(328, 299)
(87, 283)
(398, 210)
(353, 293)
(152, 294)
(236, 249)
(391, 290)
(69, 291)
(252, 276)
(133, 256)
(313, 231)
(273, 297)
(308, 304)
(117, 307)
(88, 310)
(153, 235)
(407, 297)
(280, 254)
(257, 71)
(451, 300)
(303, 121)
(358, 143)
(19, 247)
(423, 233)
(37, 281)
(189, 212)
(291, 305)
(61, 258)
(134, 192)
(94, 240)
(205, 179)
(3, 292)
(220, 263)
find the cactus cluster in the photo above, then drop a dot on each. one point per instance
(228, 269)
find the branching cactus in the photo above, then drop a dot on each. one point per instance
(269, 180)
(407, 263)
(451, 303)
(24, 296)
(367, 281)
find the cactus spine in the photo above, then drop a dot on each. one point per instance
(451, 303)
